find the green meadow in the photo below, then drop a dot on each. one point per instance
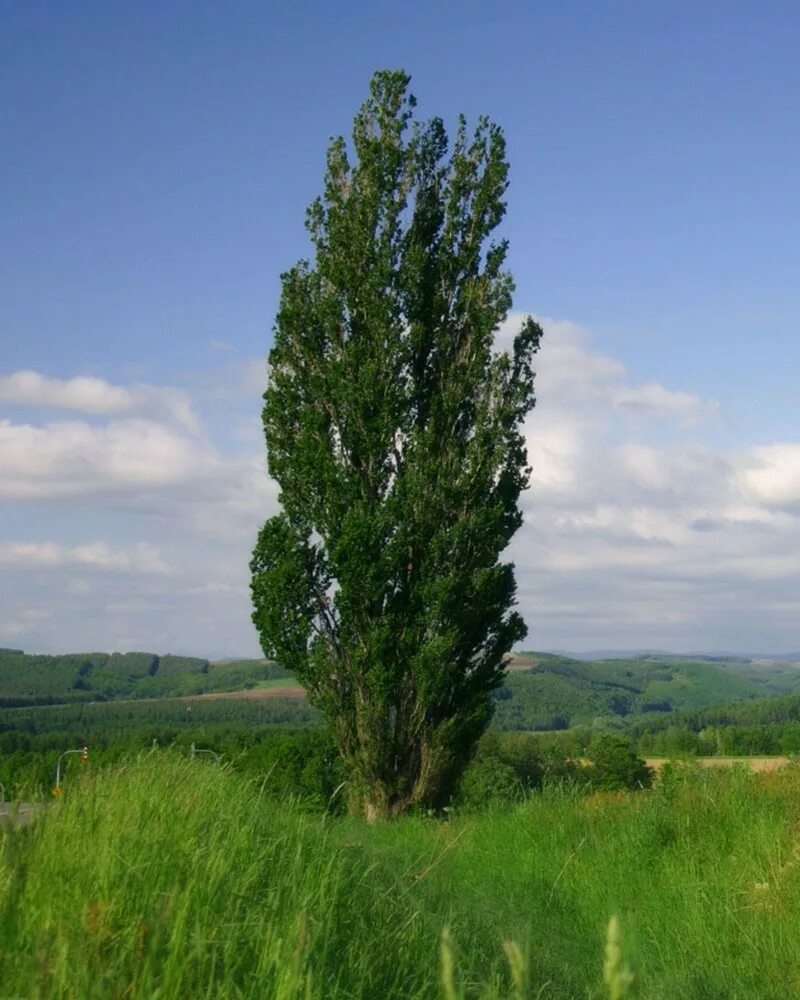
(169, 878)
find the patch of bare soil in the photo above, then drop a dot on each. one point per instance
(513, 662)
(252, 694)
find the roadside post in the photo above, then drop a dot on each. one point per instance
(83, 751)
(196, 750)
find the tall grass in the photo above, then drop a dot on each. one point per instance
(172, 879)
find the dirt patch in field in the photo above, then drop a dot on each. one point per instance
(513, 662)
(753, 763)
(252, 694)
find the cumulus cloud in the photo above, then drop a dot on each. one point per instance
(640, 530)
(76, 458)
(655, 400)
(195, 502)
(568, 368)
(86, 394)
(771, 475)
(670, 473)
(570, 371)
(139, 558)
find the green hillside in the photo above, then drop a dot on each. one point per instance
(29, 680)
(541, 692)
(557, 692)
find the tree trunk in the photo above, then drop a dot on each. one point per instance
(377, 805)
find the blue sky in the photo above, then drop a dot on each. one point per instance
(156, 162)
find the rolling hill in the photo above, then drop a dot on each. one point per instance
(29, 679)
(547, 691)
(543, 691)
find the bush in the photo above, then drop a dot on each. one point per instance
(615, 765)
(489, 781)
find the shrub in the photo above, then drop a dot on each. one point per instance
(614, 764)
(489, 781)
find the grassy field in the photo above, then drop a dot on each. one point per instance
(167, 879)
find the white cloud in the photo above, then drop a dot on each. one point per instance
(637, 533)
(569, 371)
(644, 466)
(555, 448)
(749, 513)
(653, 399)
(567, 366)
(86, 394)
(771, 475)
(75, 458)
(674, 471)
(139, 558)
(639, 529)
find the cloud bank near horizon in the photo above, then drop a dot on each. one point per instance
(130, 512)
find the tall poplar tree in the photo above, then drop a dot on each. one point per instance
(393, 429)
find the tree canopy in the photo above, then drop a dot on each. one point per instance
(394, 430)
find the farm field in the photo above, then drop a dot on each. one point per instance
(273, 689)
(755, 764)
(181, 879)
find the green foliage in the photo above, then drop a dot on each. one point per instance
(28, 679)
(766, 726)
(558, 692)
(170, 664)
(394, 431)
(113, 718)
(300, 762)
(489, 781)
(178, 879)
(79, 698)
(508, 766)
(614, 764)
(83, 677)
(133, 666)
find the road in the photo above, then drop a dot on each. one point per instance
(18, 814)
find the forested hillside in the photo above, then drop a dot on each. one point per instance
(541, 692)
(767, 726)
(27, 680)
(556, 692)
(121, 703)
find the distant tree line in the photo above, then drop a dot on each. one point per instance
(302, 762)
(27, 680)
